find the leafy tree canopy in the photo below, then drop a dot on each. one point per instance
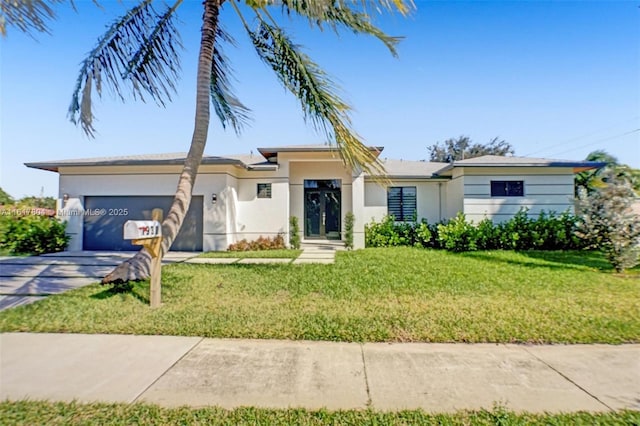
(5, 198)
(461, 148)
(39, 202)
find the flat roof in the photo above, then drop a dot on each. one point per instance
(268, 157)
(246, 161)
(511, 161)
(272, 152)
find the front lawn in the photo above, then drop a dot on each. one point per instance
(48, 413)
(392, 294)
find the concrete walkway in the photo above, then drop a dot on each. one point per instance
(319, 252)
(28, 279)
(174, 371)
(312, 252)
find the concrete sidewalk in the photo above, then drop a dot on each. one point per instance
(174, 371)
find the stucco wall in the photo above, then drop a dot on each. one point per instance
(545, 189)
(429, 202)
(265, 217)
(455, 195)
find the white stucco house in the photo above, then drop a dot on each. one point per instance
(246, 196)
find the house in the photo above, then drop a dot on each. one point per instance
(246, 196)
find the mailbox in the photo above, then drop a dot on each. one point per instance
(141, 229)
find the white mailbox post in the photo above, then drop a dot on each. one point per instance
(148, 233)
(142, 229)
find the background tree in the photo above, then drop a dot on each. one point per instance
(592, 180)
(39, 202)
(609, 224)
(138, 54)
(5, 198)
(461, 148)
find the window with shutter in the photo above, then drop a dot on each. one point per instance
(402, 203)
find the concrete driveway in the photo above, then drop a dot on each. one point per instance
(28, 279)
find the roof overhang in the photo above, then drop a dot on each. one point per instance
(576, 166)
(271, 154)
(54, 166)
(434, 178)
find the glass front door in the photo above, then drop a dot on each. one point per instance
(322, 209)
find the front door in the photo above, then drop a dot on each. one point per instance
(322, 209)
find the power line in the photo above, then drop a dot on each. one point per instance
(581, 136)
(598, 141)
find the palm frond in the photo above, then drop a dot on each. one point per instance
(26, 15)
(317, 94)
(139, 52)
(227, 106)
(338, 14)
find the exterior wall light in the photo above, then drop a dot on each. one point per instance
(214, 198)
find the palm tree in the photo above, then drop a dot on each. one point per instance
(139, 52)
(613, 170)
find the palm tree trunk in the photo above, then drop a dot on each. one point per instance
(138, 267)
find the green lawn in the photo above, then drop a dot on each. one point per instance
(398, 294)
(262, 254)
(46, 413)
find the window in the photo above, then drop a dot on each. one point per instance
(401, 203)
(264, 190)
(322, 184)
(507, 188)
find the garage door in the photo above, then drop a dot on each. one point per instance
(104, 231)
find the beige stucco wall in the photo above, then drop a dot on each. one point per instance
(429, 199)
(545, 189)
(455, 194)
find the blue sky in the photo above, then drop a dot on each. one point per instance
(554, 79)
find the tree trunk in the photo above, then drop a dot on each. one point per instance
(138, 267)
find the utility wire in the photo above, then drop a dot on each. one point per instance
(580, 137)
(598, 141)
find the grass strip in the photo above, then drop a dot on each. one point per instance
(60, 413)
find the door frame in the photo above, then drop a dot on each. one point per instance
(322, 234)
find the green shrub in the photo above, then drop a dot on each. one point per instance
(516, 233)
(458, 234)
(32, 234)
(389, 233)
(382, 234)
(294, 233)
(546, 232)
(422, 235)
(558, 232)
(262, 243)
(487, 235)
(349, 220)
